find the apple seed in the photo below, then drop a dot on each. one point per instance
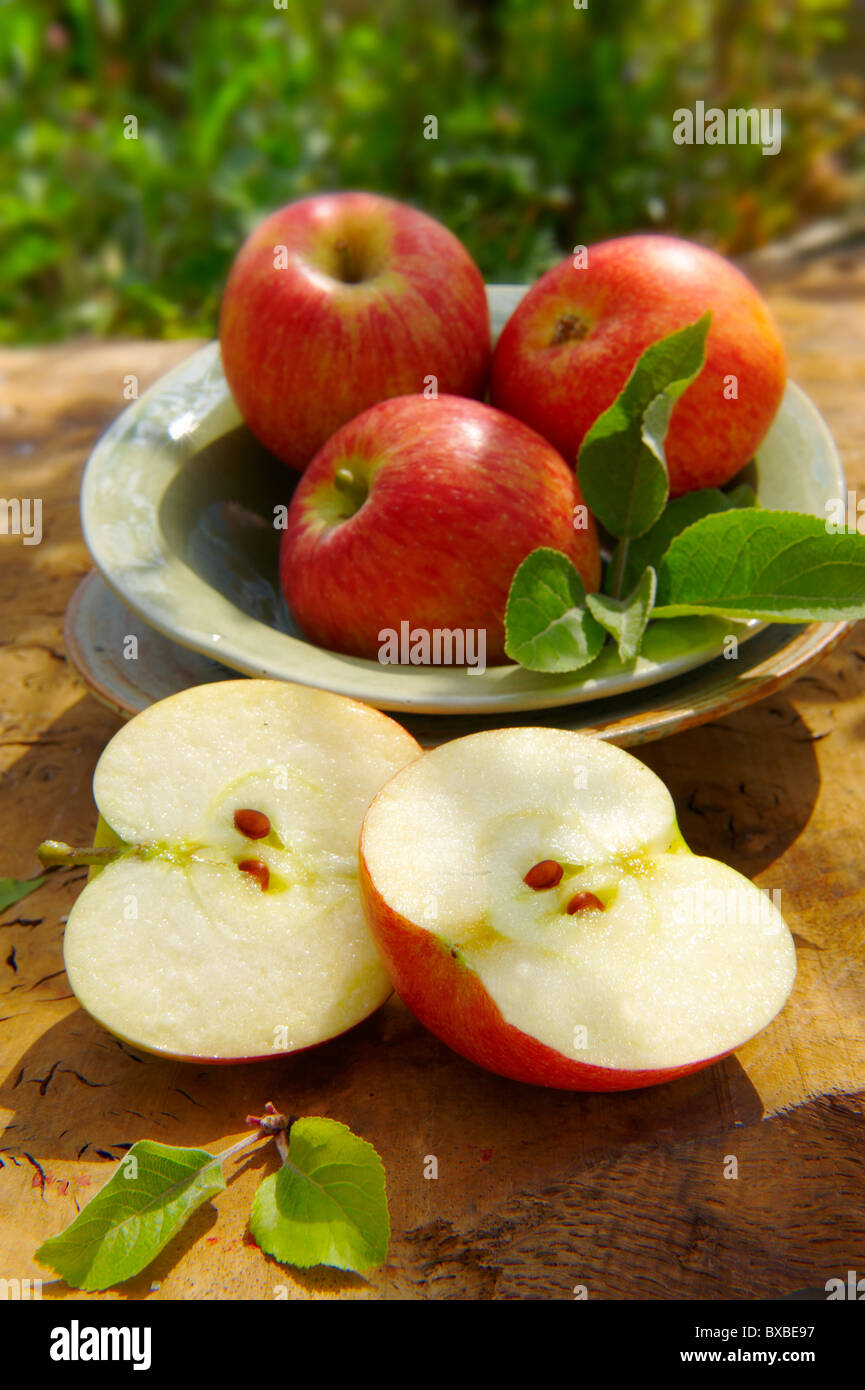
(253, 824)
(546, 874)
(580, 901)
(257, 869)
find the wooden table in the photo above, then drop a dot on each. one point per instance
(537, 1192)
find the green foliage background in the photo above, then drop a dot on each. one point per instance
(554, 127)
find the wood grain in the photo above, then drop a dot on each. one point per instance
(537, 1192)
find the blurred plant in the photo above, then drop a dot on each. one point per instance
(554, 127)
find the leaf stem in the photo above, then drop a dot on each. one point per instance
(270, 1125)
(237, 1148)
(619, 561)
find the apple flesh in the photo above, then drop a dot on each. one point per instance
(341, 300)
(201, 940)
(572, 342)
(421, 510)
(637, 963)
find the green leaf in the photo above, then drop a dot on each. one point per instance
(622, 466)
(741, 496)
(682, 512)
(30, 253)
(327, 1205)
(763, 564)
(626, 619)
(134, 1216)
(547, 624)
(12, 890)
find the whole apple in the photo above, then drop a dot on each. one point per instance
(570, 345)
(420, 511)
(341, 300)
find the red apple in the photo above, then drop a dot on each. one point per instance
(341, 300)
(537, 909)
(420, 511)
(226, 924)
(571, 344)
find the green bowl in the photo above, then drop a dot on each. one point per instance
(177, 511)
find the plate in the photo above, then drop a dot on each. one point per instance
(128, 676)
(177, 508)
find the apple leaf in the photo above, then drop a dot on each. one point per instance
(12, 890)
(622, 467)
(139, 1210)
(626, 619)
(741, 496)
(327, 1205)
(780, 566)
(676, 516)
(547, 624)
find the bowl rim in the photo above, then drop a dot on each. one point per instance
(189, 407)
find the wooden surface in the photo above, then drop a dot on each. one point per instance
(537, 1192)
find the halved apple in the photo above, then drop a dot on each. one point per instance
(228, 926)
(537, 908)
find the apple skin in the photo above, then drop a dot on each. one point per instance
(447, 997)
(305, 349)
(204, 1059)
(633, 291)
(460, 494)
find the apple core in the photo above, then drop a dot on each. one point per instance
(637, 962)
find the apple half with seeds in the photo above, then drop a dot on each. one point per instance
(538, 910)
(226, 924)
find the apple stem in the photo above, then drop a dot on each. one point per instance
(276, 1125)
(351, 486)
(350, 272)
(54, 853)
(270, 1125)
(272, 1122)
